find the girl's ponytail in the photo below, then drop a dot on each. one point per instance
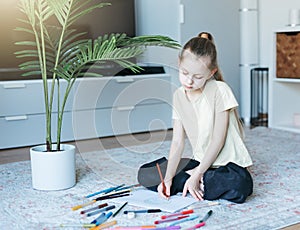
(219, 77)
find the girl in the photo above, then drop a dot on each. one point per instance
(204, 109)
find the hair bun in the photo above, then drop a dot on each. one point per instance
(206, 35)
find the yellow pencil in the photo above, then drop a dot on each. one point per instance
(104, 225)
(83, 205)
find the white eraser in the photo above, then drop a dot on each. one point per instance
(130, 215)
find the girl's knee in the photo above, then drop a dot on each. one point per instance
(235, 196)
(148, 175)
(229, 182)
(232, 195)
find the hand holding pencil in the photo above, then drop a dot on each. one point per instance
(162, 189)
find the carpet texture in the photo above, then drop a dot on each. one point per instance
(274, 204)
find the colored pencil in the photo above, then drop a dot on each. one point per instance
(127, 187)
(178, 214)
(191, 217)
(77, 225)
(162, 180)
(93, 209)
(116, 213)
(143, 211)
(101, 210)
(196, 226)
(83, 205)
(170, 219)
(107, 190)
(134, 227)
(104, 225)
(168, 228)
(110, 195)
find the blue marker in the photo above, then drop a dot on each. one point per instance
(102, 220)
(99, 218)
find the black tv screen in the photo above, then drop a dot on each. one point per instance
(117, 18)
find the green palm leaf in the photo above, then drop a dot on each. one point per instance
(117, 48)
(58, 51)
(26, 53)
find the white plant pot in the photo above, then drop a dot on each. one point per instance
(53, 170)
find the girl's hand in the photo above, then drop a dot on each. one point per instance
(164, 189)
(194, 186)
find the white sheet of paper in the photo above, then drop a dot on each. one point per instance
(148, 199)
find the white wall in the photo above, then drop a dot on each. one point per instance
(159, 17)
(273, 15)
(156, 11)
(221, 18)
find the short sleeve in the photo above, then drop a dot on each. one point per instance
(225, 99)
(175, 107)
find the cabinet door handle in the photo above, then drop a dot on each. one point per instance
(16, 118)
(125, 80)
(125, 108)
(14, 86)
(181, 13)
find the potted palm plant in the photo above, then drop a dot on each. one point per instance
(57, 52)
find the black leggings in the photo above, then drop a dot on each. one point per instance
(230, 182)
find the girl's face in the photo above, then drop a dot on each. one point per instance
(194, 71)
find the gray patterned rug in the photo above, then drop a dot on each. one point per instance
(274, 204)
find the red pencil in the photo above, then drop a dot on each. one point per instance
(161, 179)
(170, 219)
(185, 212)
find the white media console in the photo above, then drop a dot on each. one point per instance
(97, 107)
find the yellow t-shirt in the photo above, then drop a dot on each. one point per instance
(197, 118)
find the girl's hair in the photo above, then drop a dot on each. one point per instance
(204, 46)
(207, 36)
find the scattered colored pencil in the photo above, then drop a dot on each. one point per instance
(104, 191)
(112, 194)
(101, 210)
(93, 209)
(116, 213)
(83, 205)
(162, 180)
(178, 214)
(170, 219)
(77, 225)
(104, 225)
(196, 226)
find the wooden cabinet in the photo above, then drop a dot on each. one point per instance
(97, 107)
(284, 93)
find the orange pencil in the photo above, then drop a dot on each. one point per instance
(161, 179)
(104, 225)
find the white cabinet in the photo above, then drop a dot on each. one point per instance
(284, 91)
(120, 105)
(97, 107)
